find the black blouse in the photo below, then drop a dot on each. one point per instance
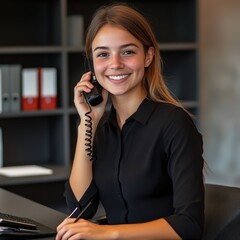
(150, 169)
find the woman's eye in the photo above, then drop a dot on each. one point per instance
(128, 52)
(103, 54)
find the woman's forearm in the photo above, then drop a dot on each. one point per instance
(81, 173)
(154, 230)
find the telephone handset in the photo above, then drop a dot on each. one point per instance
(95, 96)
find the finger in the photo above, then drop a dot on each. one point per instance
(83, 86)
(86, 77)
(63, 228)
(65, 222)
(79, 89)
(69, 231)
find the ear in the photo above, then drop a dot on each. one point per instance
(149, 56)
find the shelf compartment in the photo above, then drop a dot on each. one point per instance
(25, 22)
(180, 73)
(76, 67)
(32, 140)
(172, 21)
(38, 60)
(74, 123)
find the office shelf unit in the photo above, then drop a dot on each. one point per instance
(34, 33)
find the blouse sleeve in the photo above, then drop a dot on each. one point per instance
(184, 149)
(91, 195)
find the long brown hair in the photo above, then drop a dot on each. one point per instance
(134, 22)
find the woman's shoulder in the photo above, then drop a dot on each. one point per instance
(169, 109)
(170, 113)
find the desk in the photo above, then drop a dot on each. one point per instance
(34, 187)
(20, 206)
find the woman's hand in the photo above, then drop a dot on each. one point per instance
(84, 85)
(83, 229)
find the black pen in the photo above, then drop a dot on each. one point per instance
(82, 212)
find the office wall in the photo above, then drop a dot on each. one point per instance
(219, 32)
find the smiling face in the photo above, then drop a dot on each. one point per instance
(119, 61)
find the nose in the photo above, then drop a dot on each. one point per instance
(116, 62)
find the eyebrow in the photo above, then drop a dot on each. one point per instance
(122, 46)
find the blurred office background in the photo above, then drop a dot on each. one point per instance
(219, 74)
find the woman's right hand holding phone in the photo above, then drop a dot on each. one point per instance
(85, 85)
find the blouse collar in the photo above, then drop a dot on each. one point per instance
(142, 114)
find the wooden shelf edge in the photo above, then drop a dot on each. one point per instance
(30, 50)
(178, 46)
(37, 113)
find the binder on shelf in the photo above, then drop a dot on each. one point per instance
(48, 88)
(75, 30)
(15, 77)
(5, 87)
(10, 87)
(30, 89)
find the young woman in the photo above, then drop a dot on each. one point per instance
(148, 163)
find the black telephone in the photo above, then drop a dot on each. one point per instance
(93, 98)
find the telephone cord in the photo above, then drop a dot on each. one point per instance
(88, 134)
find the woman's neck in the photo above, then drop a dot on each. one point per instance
(126, 106)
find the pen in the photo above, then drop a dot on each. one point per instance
(73, 212)
(83, 211)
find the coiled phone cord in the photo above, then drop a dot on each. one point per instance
(88, 134)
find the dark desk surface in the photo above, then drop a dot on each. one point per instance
(14, 204)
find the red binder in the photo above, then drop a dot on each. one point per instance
(30, 89)
(48, 88)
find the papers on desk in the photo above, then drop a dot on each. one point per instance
(24, 171)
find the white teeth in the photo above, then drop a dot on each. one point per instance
(118, 77)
